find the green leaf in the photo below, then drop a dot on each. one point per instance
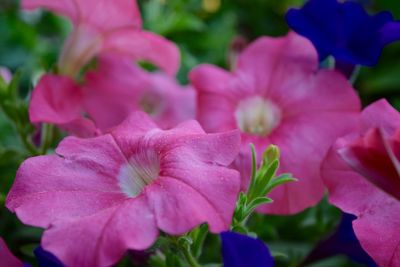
(28, 249)
(13, 86)
(240, 229)
(258, 202)
(281, 179)
(264, 181)
(254, 204)
(3, 86)
(253, 167)
(277, 254)
(173, 260)
(201, 233)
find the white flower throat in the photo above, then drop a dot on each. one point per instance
(258, 116)
(142, 168)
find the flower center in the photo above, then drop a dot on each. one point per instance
(142, 169)
(258, 116)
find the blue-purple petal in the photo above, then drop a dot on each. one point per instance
(46, 259)
(342, 242)
(344, 30)
(242, 251)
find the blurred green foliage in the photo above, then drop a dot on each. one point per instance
(206, 31)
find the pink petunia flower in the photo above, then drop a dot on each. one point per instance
(103, 25)
(373, 142)
(100, 26)
(278, 96)
(98, 197)
(110, 93)
(7, 259)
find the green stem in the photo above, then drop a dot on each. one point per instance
(199, 236)
(189, 257)
(2, 199)
(27, 143)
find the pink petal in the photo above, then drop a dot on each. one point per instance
(394, 143)
(7, 259)
(209, 78)
(211, 182)
(137, 124)
(109, 15)
(122, 87)
(102, 239)
(378, 232)
(58, 100)
(68, 8)
(81, 127)
(116, 85)
(55, 99)
(270, 60)
(370, 157)
(219, 148)
(310, 92)
(378, 213)
(179, 102)
(81, 181)
(100, 14)
(142, 45)
(81, 46)
(178, 207)
(216, 100)
(382, 115)
(187, 128)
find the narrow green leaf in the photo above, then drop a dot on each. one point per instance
(263, 182)
(253, 169)
(13, 86)
(282, 179)
(254, 204)
(199, 239)
(259, 201)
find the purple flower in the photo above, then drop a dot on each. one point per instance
(243, 251)
(344, 30)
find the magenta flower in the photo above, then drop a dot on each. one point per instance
(103, 25)
(116, 85)
(100, 26)
(120, 86)
(378, 213)
(7, 259)
(116, 191)
(278, 96)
